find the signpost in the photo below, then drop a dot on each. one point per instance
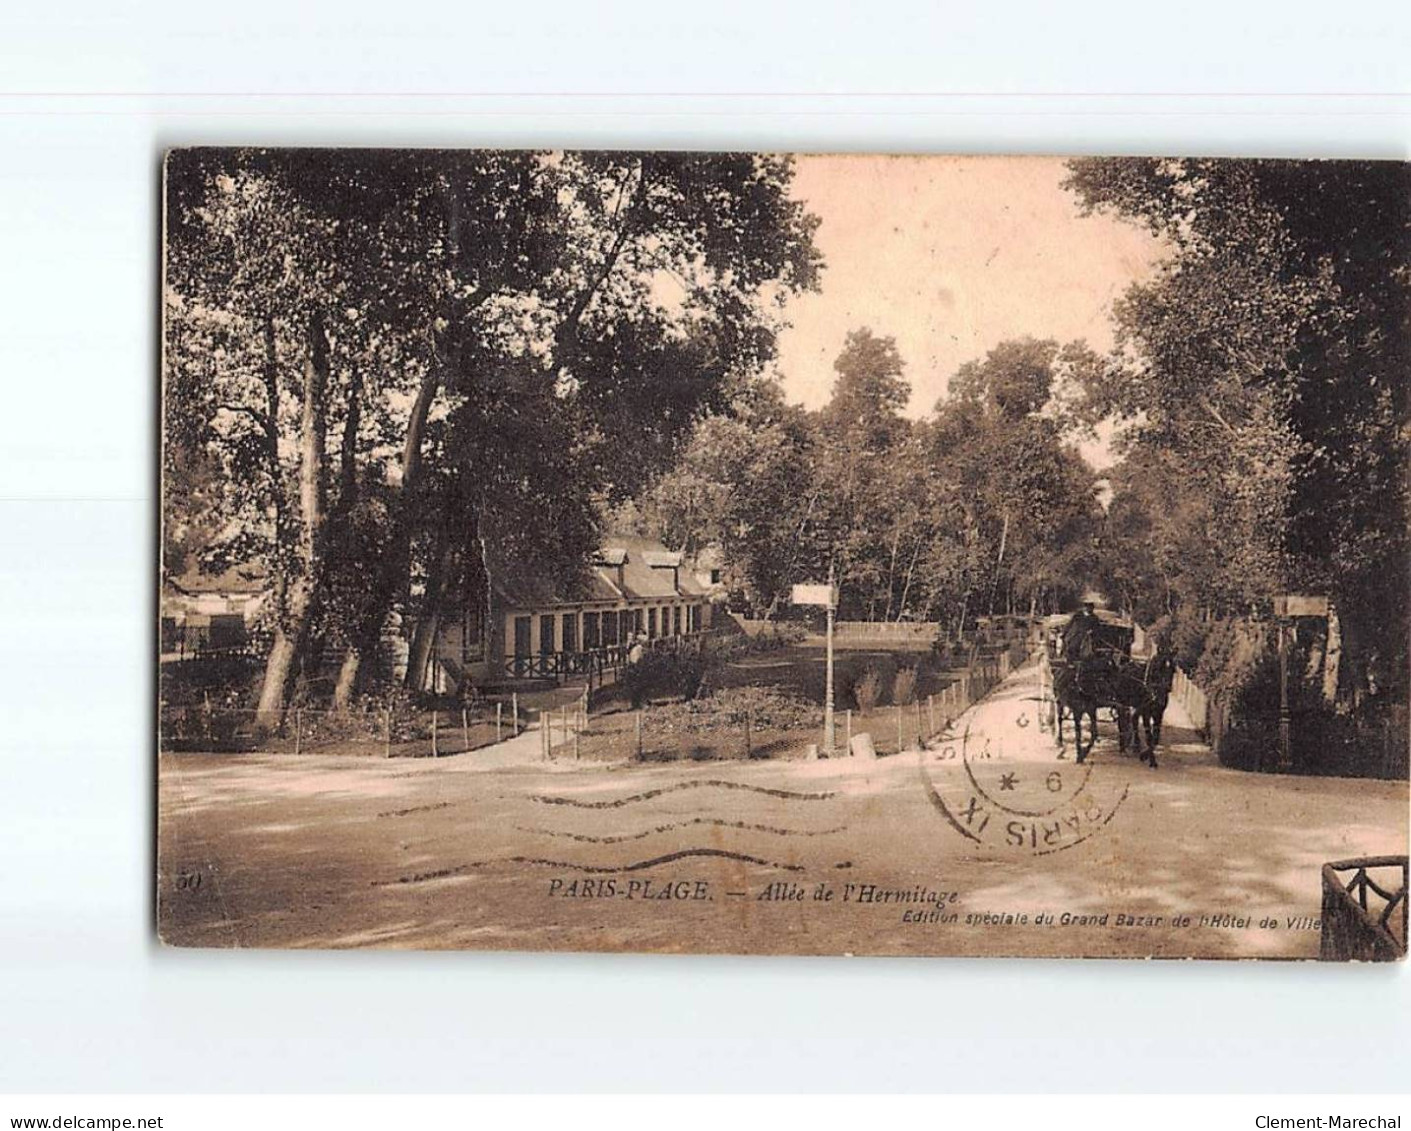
(1287, 606)
(827, 596)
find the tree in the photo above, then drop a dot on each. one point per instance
(257, 328)
(651, 312)
(1268, 357)
(1028, 510)
(861, 437)
(490, 337)
(745, 481)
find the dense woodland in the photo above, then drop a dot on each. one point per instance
(379, 363)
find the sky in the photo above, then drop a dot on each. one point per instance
(951, 256)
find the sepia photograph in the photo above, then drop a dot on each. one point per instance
(740, 553)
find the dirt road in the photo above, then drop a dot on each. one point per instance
(989, 844)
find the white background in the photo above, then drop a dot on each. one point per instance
(89, 96)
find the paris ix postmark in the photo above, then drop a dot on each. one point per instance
(1032, 805)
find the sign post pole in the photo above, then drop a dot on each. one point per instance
(1288, 607)
(827, 596)
(1281, 624)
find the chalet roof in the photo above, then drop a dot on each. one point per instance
(690, 587)
(233, 581)
(648, 569)
(525, 588)
(629, 566)
(641, 579)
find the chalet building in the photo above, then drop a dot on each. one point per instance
(203, 613)
(634, 587)
(532, 629)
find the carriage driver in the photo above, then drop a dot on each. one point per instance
(1077, 637)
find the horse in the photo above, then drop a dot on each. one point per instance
(1082, 659)
(1070, 694)
(1139, 692)
(1159, 676)
(1103, 675)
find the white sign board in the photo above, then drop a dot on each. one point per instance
(825, 595)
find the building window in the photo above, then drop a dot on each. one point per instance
(715, 577)
(472, 633)
(610, 627)
(592, 637)
(652, 623)
(570, 632)
(523, 630)
(637, 622)
(546, 634)
(676, 620)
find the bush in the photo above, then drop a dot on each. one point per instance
(1239, 672)
(371, 716)
(764, 708)
(904, 689)
(1246, 730)
(222, 681)
(666, 674)
(867, 691)
(714, 726)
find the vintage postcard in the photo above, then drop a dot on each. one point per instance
(746, 553)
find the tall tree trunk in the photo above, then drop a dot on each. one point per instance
(910, 572)
(428, 621)
(339, 524)
(292, 631)
(892, 573)
(999, 560)
(347, 683)
(396, 559)
(276, 472)
(1332, 656)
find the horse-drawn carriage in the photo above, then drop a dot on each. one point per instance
(1087, 664)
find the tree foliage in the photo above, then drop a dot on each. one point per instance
(1261, 379)
(395, 358)
(981, 506)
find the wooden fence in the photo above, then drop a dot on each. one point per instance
(1193, 700)
(1364, 917)
(577, 729)
(600, 664)
(906, 635)
(369, 731)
